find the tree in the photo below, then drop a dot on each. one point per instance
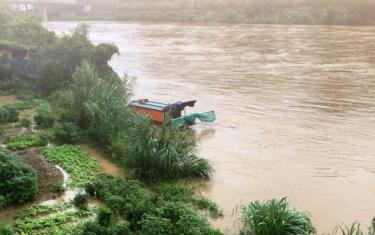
(18, 181)
(58, 61)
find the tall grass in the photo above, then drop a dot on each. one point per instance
(274, 217)
(166, 152)
(354, 229)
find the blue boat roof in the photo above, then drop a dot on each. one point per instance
(149, 105)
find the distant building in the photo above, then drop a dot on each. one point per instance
(18, 58)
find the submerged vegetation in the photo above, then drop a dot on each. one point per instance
(75, 161)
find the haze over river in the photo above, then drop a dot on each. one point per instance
(295, 108)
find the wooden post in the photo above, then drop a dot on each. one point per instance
(192, 4)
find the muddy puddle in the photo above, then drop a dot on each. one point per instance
(9, 99)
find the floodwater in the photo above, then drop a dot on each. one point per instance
(106, 165)
(295, 108)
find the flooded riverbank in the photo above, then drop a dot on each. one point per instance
(107, 166)
(295, 108)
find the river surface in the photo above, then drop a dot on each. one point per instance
(295, 108)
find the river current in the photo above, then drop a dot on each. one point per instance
(295, 108)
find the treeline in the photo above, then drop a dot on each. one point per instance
(324, 12)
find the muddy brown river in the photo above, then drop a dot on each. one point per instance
(295, 108)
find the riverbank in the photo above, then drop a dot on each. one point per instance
(234, 12)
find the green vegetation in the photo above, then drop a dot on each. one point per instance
(18, 181)
(166, 152)
(57, 221)
(35, 210)
(67, 133)
(75, 161)
(80, 200)
(8, 113)
(25, 122)
(185, 194)
(274, 217)
(58, 188)
(133, 204)
(3, 202)
(106, 223)
(19, 142)
(326, 12)
(44, 117)
(354, 229)
(6, 229)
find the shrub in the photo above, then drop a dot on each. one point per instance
(274, 217)
(58, 188)
(126, 198)
(25, 122)
(117, 228)
(3, 202)
(67, 133)
(80, 201)
(44, 117)
(166, 152)
(105, 216)
(6, 229)
(8, 113)
(175, 218)
(18, 181)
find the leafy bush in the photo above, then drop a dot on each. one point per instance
(80, 201)
(131, 201)
(58, 188)
(8, 113)
(20, 142)
(179, 193)
(3, 203)
(67, 133)
(6, 229)
(80, 166)
(166, 152)
(25, 122)
(116, 228)
(175, 218)
(274, 217)
(44, 117)
(126, 198)
(18, 181)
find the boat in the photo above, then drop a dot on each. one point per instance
(159, 112)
